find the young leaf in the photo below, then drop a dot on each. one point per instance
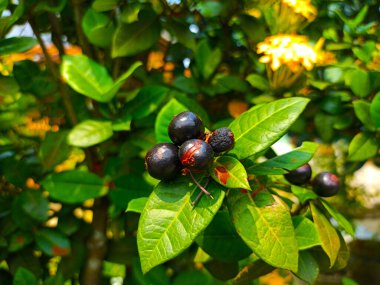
(306, 233)
(265, 227)
(17, 44)
(52, 242)
(89, 133)
(259, 127)
(24, 277)
(327, 234)
(74, 186)
(341, 220)
(169, 223)
(308, 269)
(375, 110)
(229, 172)
(363, 146)
(362, 112)
(164, 117)
(303, 194)
(288, 161)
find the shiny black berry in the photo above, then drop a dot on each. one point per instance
(299, 176)
(196, 154)
(326, 184)
(222, 139)
(162, 161)
(185, 126)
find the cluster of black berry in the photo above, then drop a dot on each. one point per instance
(192, 149)
(325, 184)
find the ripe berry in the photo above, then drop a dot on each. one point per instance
(222, 139)
(196, 154)
(326, 184)
(299, 176)
(162, 161)
(185, 126)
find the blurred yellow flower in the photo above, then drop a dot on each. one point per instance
(302, 7)
(37, 128)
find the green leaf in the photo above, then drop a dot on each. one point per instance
(306, 233)
(34, 204)
(104, 5)
(308, 269)
(52, 242)
(156, 276)
(229, 172)
(252, 271)
(131, 39)
(137, 205)
(89, 133)
(363, 146)
(98, 28)
(122, 124)
(327, 234)
(359, 82)
(341, 220)
(164, 117)
(147, 101)
(283, 163)
(265, 227)
(24, 277)
(50, 6)
(221, 241)
(207, 60)
(17, 44)
(262, 125)
(54, 149)
(303, 194)
(375, 110)
(362, 112)
(257, 81)
(19, 240)
(130, 13)
(74, 186)
(169, 223)
(181, 32)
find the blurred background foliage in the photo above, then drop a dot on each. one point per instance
(81, 85)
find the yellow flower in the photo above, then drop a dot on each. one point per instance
(302, 7)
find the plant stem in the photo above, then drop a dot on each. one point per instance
(56, 33)
(200, 193)
(200, 186)
(78, 15)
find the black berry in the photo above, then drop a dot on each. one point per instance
(299, 176)
(196, 154)
(222, 139)
(162, 161)
(326, 184)
(185, 126)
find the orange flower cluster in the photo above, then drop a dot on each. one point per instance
(37, 128)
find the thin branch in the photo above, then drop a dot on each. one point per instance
(200, 186)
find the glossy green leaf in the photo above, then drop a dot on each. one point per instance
(221, 241)
(104, 5)
(89, 133)
(229, 172)
(164, 117)
(207, 60)
(288, 161)
(24, 277)
(303, 194)
(54, 149)
(261, 126)
(74, 186)
(329, 238)
(98, 28)
(257, 81)
(19, 240)
(363, 146)
(52, 242)
(147, 101)
(130, 13)
(169, 223)
(359, 82)
(131, 39)
(362, 112)
(308, 269)
(375, 110)
(341, 220)
(306, 233)
(17, 44)
(137, 205)
(265, 227)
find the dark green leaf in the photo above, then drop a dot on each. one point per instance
(222, 270)
(375, 110)
(19, 240)
(131, 39)
(266, 228)
(303, 194)
(15, 45)
(74, 186)
(156, 276)
(262, 125)
(327, 234)
(221, 241)
(363, 146)
(169, 223)
(122, 251)
(181, 32)
(24, 277)
(288, 161)
(362, 112)
(341, 220)
(252, 272)
(210, 9)
(306, 233)
(54, 149)
(50, 6)
(308, 269)
(98, 28)
(229, 172)
(89, 133)
(207, 60)
(35, 205)
(52, 242)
